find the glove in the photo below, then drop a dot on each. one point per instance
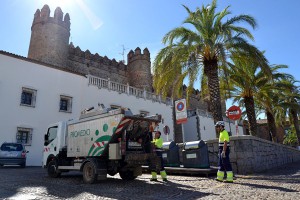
(223, 154)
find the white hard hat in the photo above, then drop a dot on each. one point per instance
(220, 123)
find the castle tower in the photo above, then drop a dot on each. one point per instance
(50, 37)
(139, 69)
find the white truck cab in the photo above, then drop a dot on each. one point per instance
(56, 140)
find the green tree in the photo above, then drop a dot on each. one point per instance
(199, 48)
(270, 97)
(245, 79)
(291, 138)
(289, 103)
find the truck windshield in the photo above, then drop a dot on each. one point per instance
(52, 133)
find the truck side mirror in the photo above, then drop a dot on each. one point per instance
(46, 140)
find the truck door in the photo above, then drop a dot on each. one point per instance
(50, 144)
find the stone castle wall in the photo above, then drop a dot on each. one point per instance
(249, 154)
(49, 43)
(139, 68)
(50, 37)
(86, 63)
(136, 73)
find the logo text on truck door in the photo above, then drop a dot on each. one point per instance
(80, 133)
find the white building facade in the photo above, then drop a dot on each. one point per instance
(34, 95)
(200, 126)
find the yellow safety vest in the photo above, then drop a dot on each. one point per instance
(158, 142)
(224, 136)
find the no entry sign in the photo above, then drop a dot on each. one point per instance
(234, 113)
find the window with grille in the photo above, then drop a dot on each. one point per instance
(28, 97)
(65, 104)
(24, 136)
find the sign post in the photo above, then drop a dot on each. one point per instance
(166, 131)
(181, 114)
(234, 113)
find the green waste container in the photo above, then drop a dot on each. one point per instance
(195, 155)
(170, 154)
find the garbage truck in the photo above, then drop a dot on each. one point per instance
(99, 143)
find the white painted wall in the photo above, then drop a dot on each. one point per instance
(50, 83)
(207, 129)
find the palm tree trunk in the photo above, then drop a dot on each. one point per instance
(296, 123)
(211, 71)
(250, 110)
(272, 125)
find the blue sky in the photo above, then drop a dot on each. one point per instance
(103, 26)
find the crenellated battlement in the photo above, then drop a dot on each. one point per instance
(88, 57)
(46, 29)
(137, 55)
(43, 16)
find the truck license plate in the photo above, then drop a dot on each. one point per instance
(134, 144)
(12, 154)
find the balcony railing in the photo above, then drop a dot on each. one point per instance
(126, 89)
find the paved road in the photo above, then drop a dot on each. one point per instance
(33, 183)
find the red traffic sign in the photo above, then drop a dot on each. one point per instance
(234, 113)
(166, 130)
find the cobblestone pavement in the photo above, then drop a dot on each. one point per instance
(33, 183)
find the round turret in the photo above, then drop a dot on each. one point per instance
(139, 69)
(50, 37)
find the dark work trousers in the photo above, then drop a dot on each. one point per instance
(224, 163)
(159, 154)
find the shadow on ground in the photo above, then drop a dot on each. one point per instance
(34, 181)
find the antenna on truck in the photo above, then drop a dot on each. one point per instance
(101, 105)
(87, 110)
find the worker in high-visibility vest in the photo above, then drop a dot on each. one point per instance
(158, 143)
(224, 151)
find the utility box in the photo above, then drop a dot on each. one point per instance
(114, 151)
(170, 154)
(195, 155)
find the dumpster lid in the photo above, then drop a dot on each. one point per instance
(193, 144)
(168, 145)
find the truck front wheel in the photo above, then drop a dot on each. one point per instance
(89, 173)
(127, 175)
(52, 169)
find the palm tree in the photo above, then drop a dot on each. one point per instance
(200, 50)
(254, 89)
(270, 97)
(290, 103)
(244, 81)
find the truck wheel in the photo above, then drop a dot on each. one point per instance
(127, 175)
(52, 169)
(89, 173)
(112, 173)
